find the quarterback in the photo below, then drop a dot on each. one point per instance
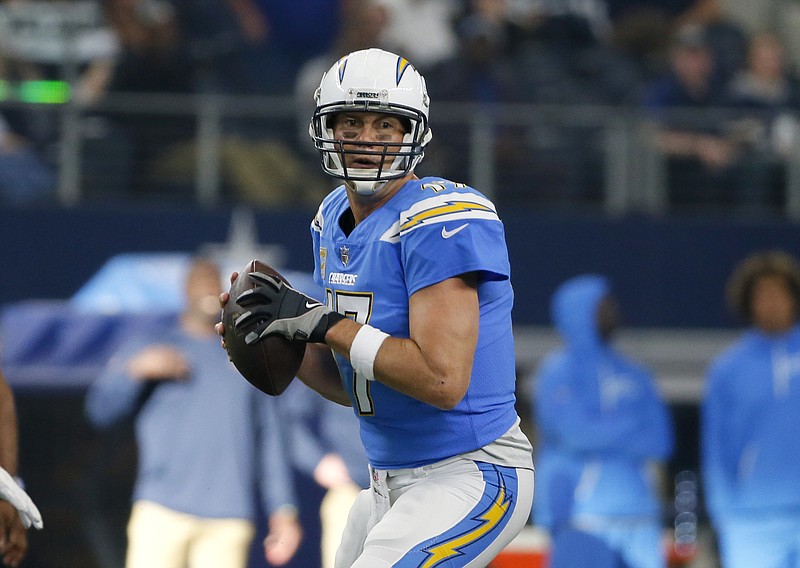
(416, 331)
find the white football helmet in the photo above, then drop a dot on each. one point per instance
(371, 80)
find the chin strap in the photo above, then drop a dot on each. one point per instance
(365, 187)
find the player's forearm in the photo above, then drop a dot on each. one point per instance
(319, 372)
(401, 365)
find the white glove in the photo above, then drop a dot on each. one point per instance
(14, 494)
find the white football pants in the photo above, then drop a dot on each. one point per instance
(455, 513)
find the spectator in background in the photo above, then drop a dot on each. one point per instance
(602, 430)
(361, 26)
(422, 31)
(643, 28)
(25, 178)
(326, 446)
(766, 98)
(122, 148)
(207, 441)
(255, 46)
(480, 72)
(779, 17)
(750, 420)
(281, 35)
(707, 161)
(556, 53)
(248, 47)
(64, 42)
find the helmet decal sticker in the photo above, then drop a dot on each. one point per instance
(402, 65)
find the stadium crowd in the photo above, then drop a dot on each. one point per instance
(714, 80)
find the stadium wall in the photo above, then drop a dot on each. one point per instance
(668, 272)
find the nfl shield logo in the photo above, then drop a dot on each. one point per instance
(344, 254)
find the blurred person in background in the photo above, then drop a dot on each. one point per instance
(765, 99)
(56, 51)
(603, 431)
(121, 149)
(248, 47)
(25, 178)
(17, 511)
(361, 25)
(326, 446)
(750, 420)
(208, 443)
(479, 72)
(708, 163)
(643, 28)
(778, 17)
(281, 35)
(422, 30)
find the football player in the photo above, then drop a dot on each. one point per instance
(418, 324)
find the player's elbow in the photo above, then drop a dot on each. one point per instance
(446, 403)
(449, 392)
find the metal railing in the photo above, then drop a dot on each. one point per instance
(632, 176)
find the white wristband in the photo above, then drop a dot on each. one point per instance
(364, 349)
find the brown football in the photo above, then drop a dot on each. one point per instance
(272, 363)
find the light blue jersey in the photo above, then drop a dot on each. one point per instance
(430, 230)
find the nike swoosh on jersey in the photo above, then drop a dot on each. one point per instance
(310, 305)
(447, 234)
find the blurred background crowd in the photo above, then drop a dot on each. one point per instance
(618, 105)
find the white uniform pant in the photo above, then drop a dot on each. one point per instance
(456, 513)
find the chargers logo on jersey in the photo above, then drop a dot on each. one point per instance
(438, 209)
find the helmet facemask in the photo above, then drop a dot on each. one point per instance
(369, 70)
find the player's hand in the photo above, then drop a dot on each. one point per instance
(331, 471)
(224, 298)
(14, 494)
(279, 309)
(13, 537)
(159, 363)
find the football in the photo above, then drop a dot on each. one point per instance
(272, 363)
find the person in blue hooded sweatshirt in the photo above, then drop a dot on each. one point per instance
(751, 420)
(603, 431)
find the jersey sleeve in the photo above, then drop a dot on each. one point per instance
(451, 234)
